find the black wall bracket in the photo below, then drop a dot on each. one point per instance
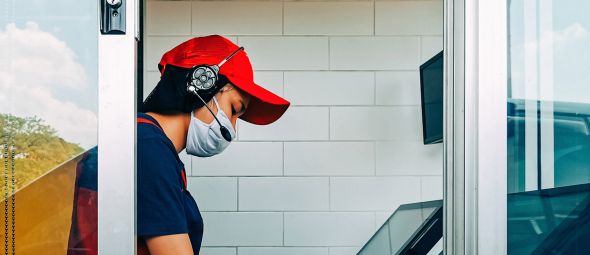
(112, 16)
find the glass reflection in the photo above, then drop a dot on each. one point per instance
(548, 126)
(48, 122)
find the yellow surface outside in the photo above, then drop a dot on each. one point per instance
(43, 212)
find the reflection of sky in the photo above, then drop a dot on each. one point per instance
(571, 49)
(52, 71)
(75, 22)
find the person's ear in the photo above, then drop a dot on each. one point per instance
(226, 87)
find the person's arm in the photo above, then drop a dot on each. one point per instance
(161, 218)
(178, 244)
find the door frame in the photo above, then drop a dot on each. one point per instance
(117, 57)
(475, 166)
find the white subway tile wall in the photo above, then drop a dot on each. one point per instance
(328, 228)
(348, 151)
(243, 228)
(408, 17)
(284, 194)
(214, 193)
(378, 193)
(330, 88)
(326, 158)
(310, 18)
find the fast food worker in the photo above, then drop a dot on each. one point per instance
(172, 118)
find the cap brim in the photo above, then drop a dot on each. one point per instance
(264, 107)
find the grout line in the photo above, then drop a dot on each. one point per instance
(283, 18)
(376, 227)
(329, 53)
(421, 39)
(238, 193)
(374, 88)
(191, 19)
(420, 190)
(330, 193)
(375, 157)
(329, 128)
(283, 85)
(190, 163)
(374, 17)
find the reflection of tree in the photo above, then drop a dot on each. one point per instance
(38, 149)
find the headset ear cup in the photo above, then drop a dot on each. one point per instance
(205, 94)
(202, 77)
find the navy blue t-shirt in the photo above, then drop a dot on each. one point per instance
(164, 205)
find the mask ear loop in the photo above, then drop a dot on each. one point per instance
(223, 89)
(220, 111)
(216, 105)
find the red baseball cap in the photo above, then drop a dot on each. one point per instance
(264, 108)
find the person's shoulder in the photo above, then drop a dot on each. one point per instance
(147, 130)
(154, 144)
(156, 158)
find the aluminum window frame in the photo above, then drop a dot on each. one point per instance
(475, 145)
(116, 137)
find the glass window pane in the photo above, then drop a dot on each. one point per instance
(548, 123)
(48, 124)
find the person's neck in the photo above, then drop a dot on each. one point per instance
(175, 127)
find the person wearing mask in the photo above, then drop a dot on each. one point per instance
(206, 84)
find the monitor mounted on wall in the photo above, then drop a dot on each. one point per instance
(431, 87)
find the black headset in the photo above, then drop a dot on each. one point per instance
(204, 78)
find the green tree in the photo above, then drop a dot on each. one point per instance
(37, 148)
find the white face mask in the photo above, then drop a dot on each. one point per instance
(206, 140)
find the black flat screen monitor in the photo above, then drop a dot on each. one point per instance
(431, 87)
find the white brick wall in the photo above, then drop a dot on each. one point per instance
(284, 194)
(328, 228)
(324, 177)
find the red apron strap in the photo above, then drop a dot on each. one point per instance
(144, 120)
(184, 178)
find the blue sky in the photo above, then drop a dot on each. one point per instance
(570, 44)
(75, 22)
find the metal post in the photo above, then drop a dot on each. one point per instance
(116, 138)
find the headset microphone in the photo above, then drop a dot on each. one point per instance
(224, 132)
(204, 77)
